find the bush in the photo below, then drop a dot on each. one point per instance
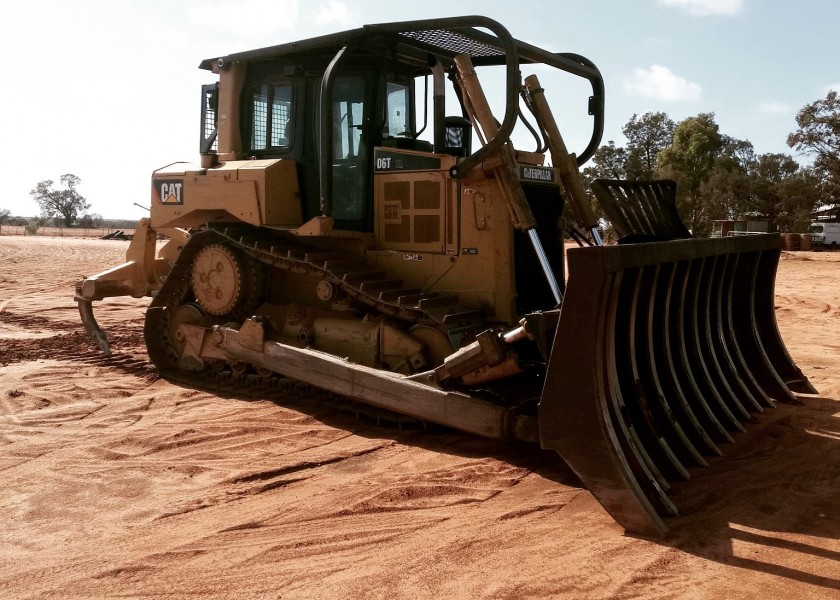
(32, 226)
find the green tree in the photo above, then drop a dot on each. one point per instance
(33, 225)
(647, 136)
(607, 163)
(689, 160)
(741, 152)
(818, 136)
(784, 191)
(67, 204)
(90, 220)
(4, 216)
(726, 192)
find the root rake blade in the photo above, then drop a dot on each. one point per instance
(663, 351)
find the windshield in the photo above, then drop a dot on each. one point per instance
(816, 228)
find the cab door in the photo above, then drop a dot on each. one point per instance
(351, 118)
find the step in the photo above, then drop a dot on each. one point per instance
(320, 258)
(392, 295)
(464, 318)
(357, 277)
(438, 302)
(413, 300)
(344, 265)
(380, 285)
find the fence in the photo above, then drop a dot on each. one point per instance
(74, 232)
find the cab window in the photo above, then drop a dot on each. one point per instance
(349, 149)
(398, 124)
(271, 116)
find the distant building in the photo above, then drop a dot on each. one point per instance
(827, 214)
(749, 225)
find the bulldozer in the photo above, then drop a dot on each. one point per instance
(341, 230)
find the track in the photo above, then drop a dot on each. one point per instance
(372, 291)
(242, 381)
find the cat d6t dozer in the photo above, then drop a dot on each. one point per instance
(340, 230)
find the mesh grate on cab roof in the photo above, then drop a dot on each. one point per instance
(454, 42)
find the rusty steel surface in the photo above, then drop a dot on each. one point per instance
(662, 351)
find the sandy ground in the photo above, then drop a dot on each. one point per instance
(115, 483)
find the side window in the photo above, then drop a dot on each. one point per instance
(348, 116)
(209, 110)
(398, 124)
(271, 116)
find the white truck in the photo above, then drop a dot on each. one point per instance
(826, 235)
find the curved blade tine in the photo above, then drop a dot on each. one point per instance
(760, 339)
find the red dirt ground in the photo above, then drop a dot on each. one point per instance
(116, 483)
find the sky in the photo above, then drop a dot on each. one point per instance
(109, 90)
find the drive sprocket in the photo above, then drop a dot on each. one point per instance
(226, 282)
(217, 279)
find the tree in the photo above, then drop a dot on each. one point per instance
(33, 225)
(646, 136)
(818, 135)
(784, 192)
(726, 193)
(90, 220)
(689, 160)
(607, 163)
(4, 216)
(67, 203)
(741, 152)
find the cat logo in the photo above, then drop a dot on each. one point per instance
(169, 191)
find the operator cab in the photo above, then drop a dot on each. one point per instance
(372, 90)
(372, 104)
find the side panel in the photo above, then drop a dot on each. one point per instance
(415, 211)
(257, 192)
(466, 251)
(277, 190)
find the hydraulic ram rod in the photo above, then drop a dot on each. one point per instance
(506, 174)
(563, 161)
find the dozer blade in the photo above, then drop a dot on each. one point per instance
(662, 351)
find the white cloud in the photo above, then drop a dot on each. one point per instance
(704, 8)
(773, 107)
(334, 12)
(660, 83)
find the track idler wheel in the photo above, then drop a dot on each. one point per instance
(187, 314)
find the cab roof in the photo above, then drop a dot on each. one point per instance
(444, 37)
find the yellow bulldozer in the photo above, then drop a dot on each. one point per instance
(341, 230)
